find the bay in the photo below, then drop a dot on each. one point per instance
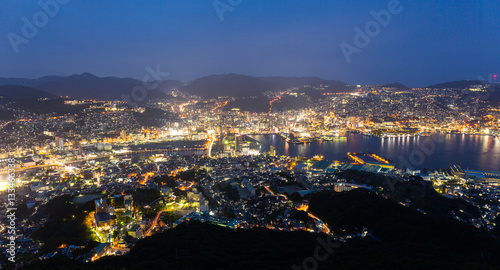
(475, 152)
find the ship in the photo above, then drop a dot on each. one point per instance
(425, 134)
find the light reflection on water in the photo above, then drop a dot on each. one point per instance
(470, 151)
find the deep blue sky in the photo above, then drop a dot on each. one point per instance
(430, 41)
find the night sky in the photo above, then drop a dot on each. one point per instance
(426, 42)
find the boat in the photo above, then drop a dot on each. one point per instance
(425, 134)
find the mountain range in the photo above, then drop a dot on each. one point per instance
(237, 85)
(89, 86)
(86, 86)
(457, 84)
(11, 92)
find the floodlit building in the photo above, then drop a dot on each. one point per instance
(103, 220)
(135, 231)
(341, 187)
(128, 202)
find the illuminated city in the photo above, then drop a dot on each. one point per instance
(233, 171)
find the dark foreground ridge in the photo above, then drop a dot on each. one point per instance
(401, 238)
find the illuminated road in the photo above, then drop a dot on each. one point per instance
(210, 145)
(271, 103)
(305, 208)
(277, 195)
(325, 227)
(155, 222)
(5, 124)
(219, 105)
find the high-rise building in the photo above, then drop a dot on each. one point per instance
(272, 151)
(101, 206)
(236, 139)
(77, 146)
(59, 143)
(103, 219)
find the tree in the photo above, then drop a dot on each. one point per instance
(296, 197)
(228, 213)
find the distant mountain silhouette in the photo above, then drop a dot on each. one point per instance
(11, 92)
(300, 81)
(458, 84)
(396, 85)
(492, 95)
(261, 104)
(29, 82)
(310, 82)
(237, 85)
(89, 86)
(55, 105)
(228, 85)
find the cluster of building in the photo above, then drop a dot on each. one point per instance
(373, 110)
(238, 192)
(204, 167)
